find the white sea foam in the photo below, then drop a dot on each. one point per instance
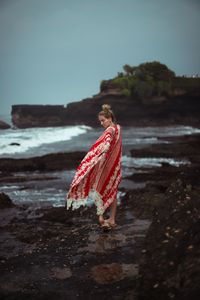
(135, 162)
(163, 131)
(142, 140)
(41, 141)
(35, 137)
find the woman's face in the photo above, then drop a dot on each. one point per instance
(105, 122)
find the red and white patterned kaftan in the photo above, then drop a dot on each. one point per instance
(99, 173)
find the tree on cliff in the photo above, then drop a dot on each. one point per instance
(143, 81)
(129, 70)
(146, 80)
(156, 71)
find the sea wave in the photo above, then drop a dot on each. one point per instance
(21, 140)
(149, 162)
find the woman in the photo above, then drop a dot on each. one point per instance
(99, 173)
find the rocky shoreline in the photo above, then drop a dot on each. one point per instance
(52, 253)
(49, 162)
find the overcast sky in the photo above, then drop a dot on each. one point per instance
(58, 51)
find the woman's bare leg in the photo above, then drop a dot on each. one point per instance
(113, 210)
(111, 220)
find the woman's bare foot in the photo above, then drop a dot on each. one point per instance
(113, 209)
(111, 222)
(106, 226)
(101, 220)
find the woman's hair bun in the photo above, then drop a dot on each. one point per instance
(107, 112)
(106, 107)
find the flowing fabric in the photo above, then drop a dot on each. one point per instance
(99, 173)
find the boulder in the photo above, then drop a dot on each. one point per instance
(5, 201)
(14, 144)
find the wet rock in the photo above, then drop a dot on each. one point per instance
(5, 201)
(59, 215)
(61, 273)
(171, 262)
(177, 147)
(14, 144)
(49, 162)
(58, 254)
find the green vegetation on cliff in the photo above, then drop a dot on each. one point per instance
(148, 80)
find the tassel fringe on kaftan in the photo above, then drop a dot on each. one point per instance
(99, 173)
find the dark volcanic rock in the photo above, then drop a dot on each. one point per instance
(4, 125)
(49, 162)
(60, 254)
(5, 201)
(14, 144)
(170, 268)
(54, 253)
(180, 109)
(176, 110)
(183, 146)
(24, 116)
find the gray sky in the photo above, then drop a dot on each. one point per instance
(58, 51)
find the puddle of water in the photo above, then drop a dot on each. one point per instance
(101, 243)
(124, 236)
(110, 273)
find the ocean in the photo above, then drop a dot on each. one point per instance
(24, 143)
(21, 143)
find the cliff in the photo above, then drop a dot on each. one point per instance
(24, 116)
(179, 109)
(182, 109)
(149, 94)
